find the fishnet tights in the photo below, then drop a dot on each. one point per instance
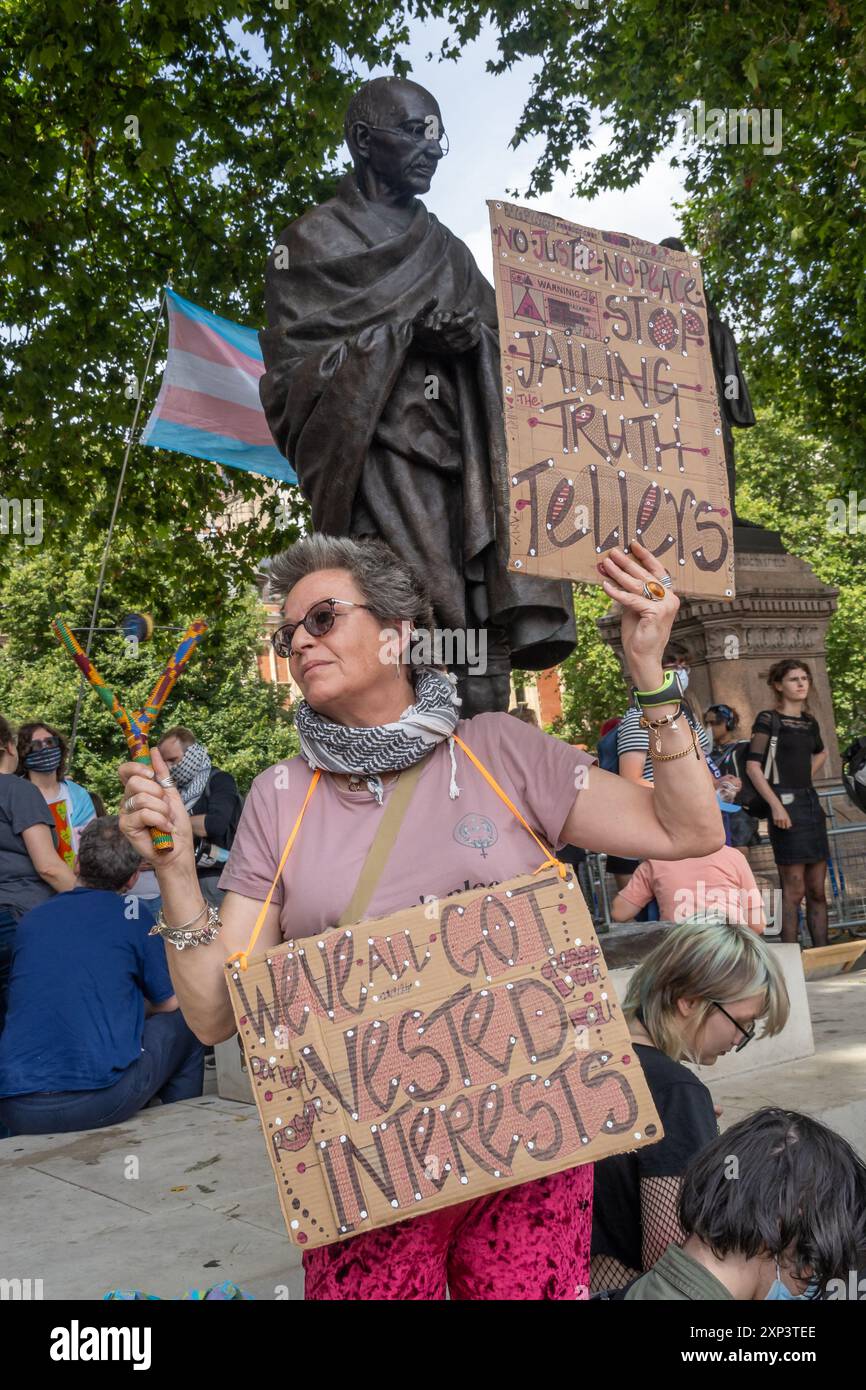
(607, 1273)
(659, 1217)
(660, 1227)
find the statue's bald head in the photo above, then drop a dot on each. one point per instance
(388, 101)
(393, 130)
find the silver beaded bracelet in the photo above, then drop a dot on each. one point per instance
(183, 937)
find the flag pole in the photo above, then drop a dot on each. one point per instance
(101, 580)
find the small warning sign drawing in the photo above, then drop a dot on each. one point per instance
(531, 305)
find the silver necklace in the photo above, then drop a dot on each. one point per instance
(357, 783)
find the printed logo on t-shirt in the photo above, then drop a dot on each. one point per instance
(476, 832)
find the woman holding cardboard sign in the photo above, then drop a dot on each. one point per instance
(371, 721)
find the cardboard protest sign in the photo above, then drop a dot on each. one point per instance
(438, 1054)
(611, 413)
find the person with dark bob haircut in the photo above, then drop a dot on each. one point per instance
(775, 1208)
(30, 869)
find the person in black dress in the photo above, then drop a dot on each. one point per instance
(798, 824)
(697, 995)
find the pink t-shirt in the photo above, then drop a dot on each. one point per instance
(443, 846)
(683, 887)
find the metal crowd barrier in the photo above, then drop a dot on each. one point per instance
(846, 872)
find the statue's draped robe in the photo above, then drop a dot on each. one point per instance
(734, 401)
(388, 441)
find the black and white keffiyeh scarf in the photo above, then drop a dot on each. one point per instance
(387, 747)
(191, 774)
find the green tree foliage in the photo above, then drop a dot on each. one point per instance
(220, 694)
(137, 139)
(593, 688)
(790, 482)
(144, 136)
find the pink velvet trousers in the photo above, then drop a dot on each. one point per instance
(527, 1242)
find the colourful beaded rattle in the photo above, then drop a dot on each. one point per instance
(136, 723)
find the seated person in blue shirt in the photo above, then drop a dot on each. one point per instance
(93, 1030)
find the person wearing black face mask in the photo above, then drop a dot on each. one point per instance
(42, 760)
(30, 870)
(212, 800)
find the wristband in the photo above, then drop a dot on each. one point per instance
(668, 692)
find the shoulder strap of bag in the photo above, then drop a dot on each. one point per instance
(389, 826)
(771, 771)
(383, 842)
(242, 957)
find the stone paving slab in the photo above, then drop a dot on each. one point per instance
(165, 1255)
(831, 1084)
(162, 1159)
(29, 1196)
(72, 1219)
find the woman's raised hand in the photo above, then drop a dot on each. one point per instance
(646, 622)
(147, 805)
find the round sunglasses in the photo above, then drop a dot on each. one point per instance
(318, 621)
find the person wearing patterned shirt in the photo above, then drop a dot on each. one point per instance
(632, 743)
(632, 746)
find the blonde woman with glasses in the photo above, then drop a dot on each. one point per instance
(698, 995)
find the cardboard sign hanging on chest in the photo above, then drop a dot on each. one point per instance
(436, 1055)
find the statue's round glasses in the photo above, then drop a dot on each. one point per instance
(418, 136)
(318, 620)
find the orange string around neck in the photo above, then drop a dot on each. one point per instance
(243, 956)
(550, 861)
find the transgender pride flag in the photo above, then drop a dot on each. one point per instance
(208, 404)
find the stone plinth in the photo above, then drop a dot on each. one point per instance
(781, 610)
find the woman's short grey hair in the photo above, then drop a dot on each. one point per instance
(106, 859)
(390, 586)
